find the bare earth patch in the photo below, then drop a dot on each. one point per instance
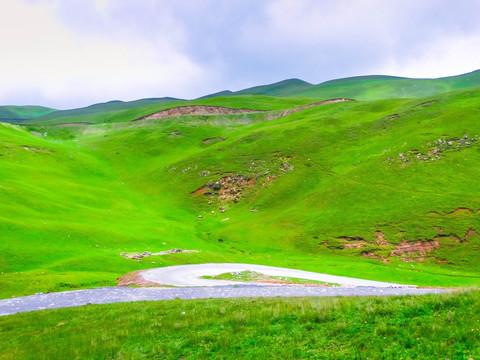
(135, 278)
(195, 110)
(219, 110)
(74, 124)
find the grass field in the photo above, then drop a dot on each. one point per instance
(379, 189)
(426, 327)
(325, 183)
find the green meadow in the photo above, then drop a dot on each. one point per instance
(382, 188)
(341, 188)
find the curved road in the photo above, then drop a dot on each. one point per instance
(187, 276)
(190, 275)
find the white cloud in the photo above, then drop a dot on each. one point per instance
(40, 54)
(446, 56)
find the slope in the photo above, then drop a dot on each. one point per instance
(22, 113)
(363, 87)
(383, 190)
(288, 87)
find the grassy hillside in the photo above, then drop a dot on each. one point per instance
(288, 87)
(424, 327)
(388, 87)
(105, 113)
(383, 190)
(19, 113)
(364, 87)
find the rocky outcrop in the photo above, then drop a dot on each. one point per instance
(228, 188)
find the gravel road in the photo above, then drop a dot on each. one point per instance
(190, 275)
(190, 285)
(125, 294)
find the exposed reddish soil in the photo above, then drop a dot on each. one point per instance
(194, 110)
(420, 247)
(308, 106)
(227, 188)
(381, 239)
(426, 103)
(218, 110)
(416, 250)
(371, 254)
(232, 187)
(213, 139)
(74, 124)
(471, 232)
(355, 245)
(134, 278)
(460, 210)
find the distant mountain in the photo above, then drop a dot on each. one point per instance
(388, 87)
(282, 88)
(16, 114)
(362, 87)
(110, 106)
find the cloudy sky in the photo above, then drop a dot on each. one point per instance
(71, 53)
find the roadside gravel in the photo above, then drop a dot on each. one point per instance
(124, 294)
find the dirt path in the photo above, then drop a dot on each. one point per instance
(190, 275)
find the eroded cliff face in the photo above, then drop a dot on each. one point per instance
(195, 110)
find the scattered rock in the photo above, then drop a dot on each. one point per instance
(36, 134)
(133, 256)
(174, 251)
(139, 256)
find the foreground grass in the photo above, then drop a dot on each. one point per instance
(408, 327)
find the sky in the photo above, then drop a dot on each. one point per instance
(73, 53)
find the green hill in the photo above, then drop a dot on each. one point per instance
(385, 87)
(383, 190)
(363, 87)
(289, 87)
(22, 113)
(103, 111)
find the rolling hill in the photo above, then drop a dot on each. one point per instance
(22, 113)
(364, 87)
(380, 189)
